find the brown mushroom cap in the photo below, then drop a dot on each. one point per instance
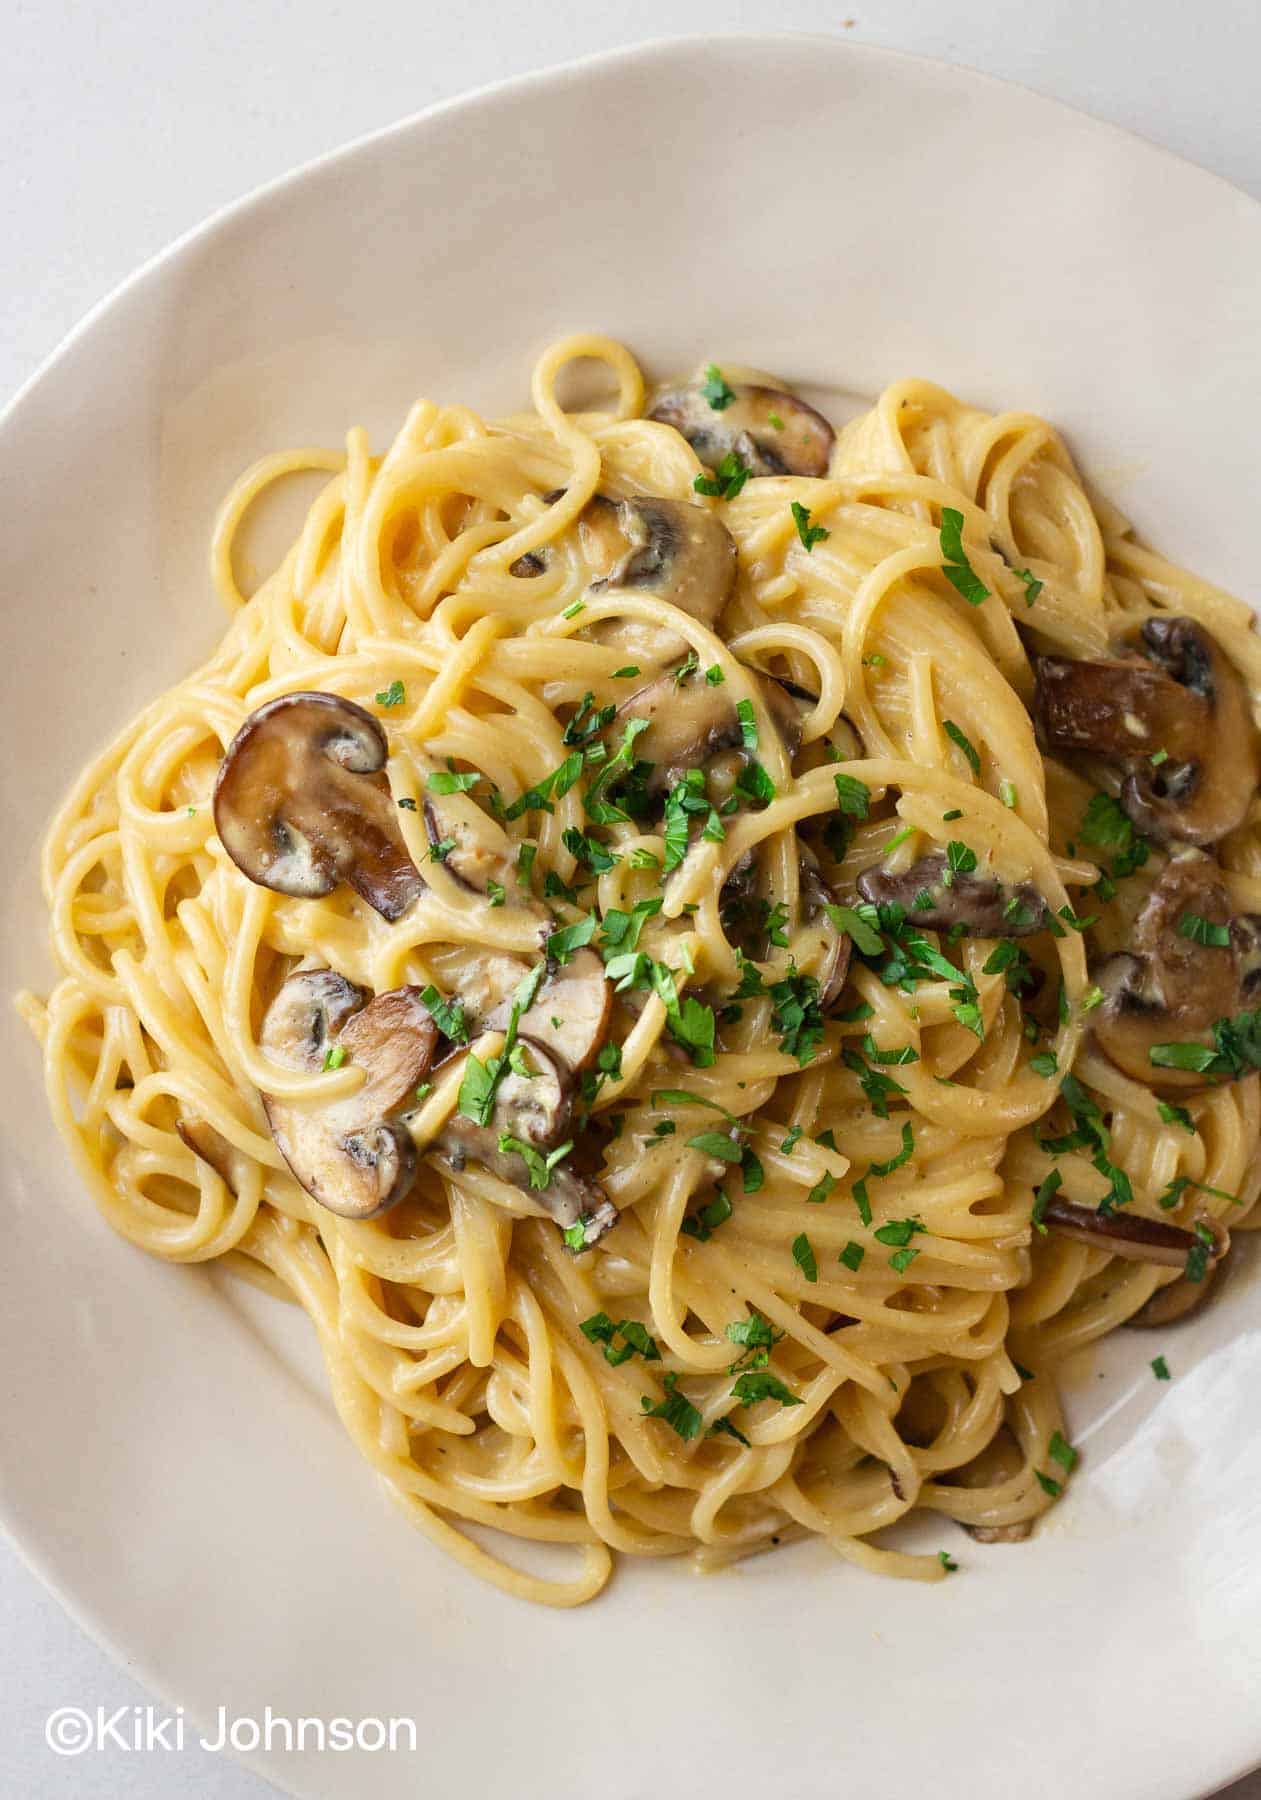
(1170, 988)
(481, 850)
(301, 804)
(982, 905)
(351, 1155)
(799, 444)
(677, 552)
(1173, 690)
(535, 1110)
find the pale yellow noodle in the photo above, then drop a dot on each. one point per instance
(450, 1326)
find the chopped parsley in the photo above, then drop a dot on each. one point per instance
(762, 1385)
(853, 797)
(852, 1255)
(1049, 1485)
(394, 695)
(555, 785)
(447, 1015)
(1176, 1115)
(452, 781)
(715, 390)
(809, 534)
(600, 1329)
(821, 1189)
(803, 1256)
(1063, 1453)
(703, 1224)
(334, 1057)
(960, 737)
(1160, 1369)
(676, 1409)
(481, 1080)
(852, 923)
(1200, 930)
(727, 480)
(956, 568)
(1033, 587)
(947, 1561)
(796, 1015)
(539, 1166)
(1236, 1049)
(563, 942)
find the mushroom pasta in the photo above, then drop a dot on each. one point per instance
(708, 949)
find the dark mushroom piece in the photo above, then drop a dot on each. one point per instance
(1172, 694)
(745, 913)
(1172, 988)
(981, 905)
(210, 1145)
(351, 1155)
(769, 429)
(531, 1119)
(302, 803)
(692, 725)
(475, 850)
(571, 1011)
(1178, 1299)
(1129, 1235)
(831, 966)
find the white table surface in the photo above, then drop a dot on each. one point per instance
(124, 122)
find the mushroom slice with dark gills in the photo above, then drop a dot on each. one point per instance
(1177, 1300)
(661, 549)
(352, 1155)
(302, 803)
(819, 948)
(767, 427)
(569, 1015)
(981, 905)
(530, 1121)
(473, 848)
(1172, 694)
(691, 724)
(1134, 1238)
(1192, 963)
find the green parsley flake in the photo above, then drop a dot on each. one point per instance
(956, 567)
(394, 695)
(803, 1256)
(809, 534)
(852, 1255)
(676, 1409)
(959, 737)
(715, 390)
(334, 1056)
(1160, 1369)
(726, 481)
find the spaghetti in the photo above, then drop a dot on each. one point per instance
(719, 1035)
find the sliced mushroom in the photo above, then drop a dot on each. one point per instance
(302, 803)
(831, 966)
(692, 724)
(769, 429)
(210, 1145)
(351, 1156)
(670, 549)
(477, 849)
(1171, 989)
(534, 1110)
(1178, 1299)
(571, 1011)
(982, 905)
(1126, 1234)
(1172, 694)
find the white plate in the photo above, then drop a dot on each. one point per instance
(844, 216)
